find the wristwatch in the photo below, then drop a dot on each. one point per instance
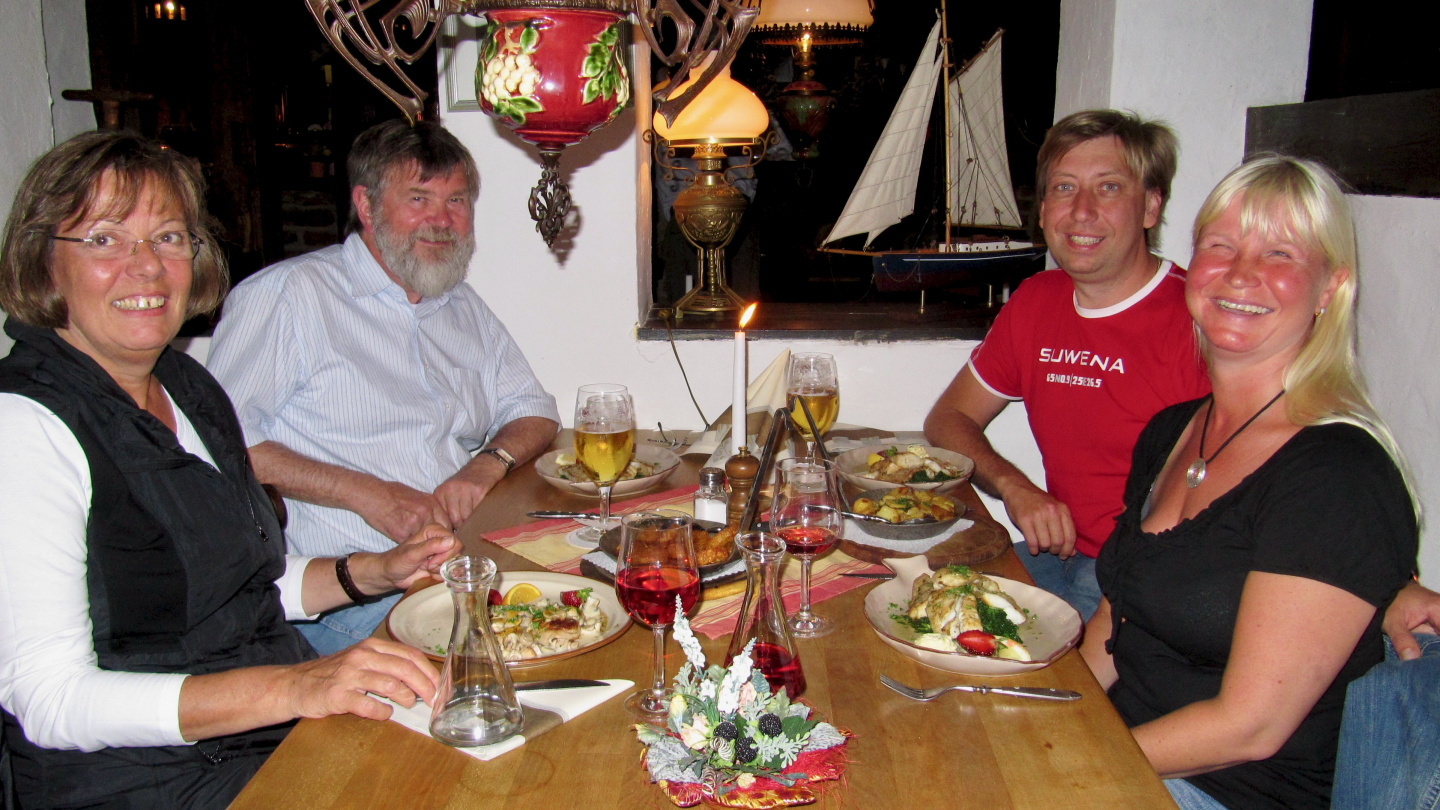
(499, 452)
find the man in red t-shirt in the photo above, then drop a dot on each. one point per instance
(1094, 349)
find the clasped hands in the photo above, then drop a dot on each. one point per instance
(398, 511)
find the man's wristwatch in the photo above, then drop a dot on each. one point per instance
(499, 452)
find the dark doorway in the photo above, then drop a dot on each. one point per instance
(257, 95)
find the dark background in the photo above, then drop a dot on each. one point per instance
(255, 92)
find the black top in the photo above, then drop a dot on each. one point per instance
(1329, 505)
(181, 563)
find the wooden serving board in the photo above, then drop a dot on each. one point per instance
(983, 541)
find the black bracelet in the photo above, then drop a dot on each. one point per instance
(342, 573)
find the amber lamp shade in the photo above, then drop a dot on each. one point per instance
(725, 111)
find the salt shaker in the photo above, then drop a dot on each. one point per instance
(710, 498)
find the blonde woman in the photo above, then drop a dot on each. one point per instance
(1267, 526)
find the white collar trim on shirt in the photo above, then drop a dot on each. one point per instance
(1114, 309)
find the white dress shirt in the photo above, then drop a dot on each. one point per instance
(49, 678)
(324, 354)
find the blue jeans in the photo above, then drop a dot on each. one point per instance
(341, 628)
(1072, 580)
(1389, 753)
(1190, 797)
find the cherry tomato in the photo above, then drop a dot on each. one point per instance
(977, 641)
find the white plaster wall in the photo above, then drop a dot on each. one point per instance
(67, 58)
(1400, 336)
(1197, 65)
(1087, 54)
(24, 101)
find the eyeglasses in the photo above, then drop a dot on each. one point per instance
(175, 245)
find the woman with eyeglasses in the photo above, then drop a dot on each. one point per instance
(145, 654)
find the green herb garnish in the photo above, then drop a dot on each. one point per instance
(996, 623)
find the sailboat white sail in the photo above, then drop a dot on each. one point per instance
(980, 193)
(886, 191)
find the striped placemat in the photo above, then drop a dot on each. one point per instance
(543, 542)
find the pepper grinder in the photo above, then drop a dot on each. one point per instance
(741, 469)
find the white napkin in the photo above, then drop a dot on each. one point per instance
(855, 533)
(567, 703)
(763, 395)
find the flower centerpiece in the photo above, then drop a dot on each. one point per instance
(730, 740)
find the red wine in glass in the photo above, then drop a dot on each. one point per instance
(649, 593)
(781, 669)
(807, 539)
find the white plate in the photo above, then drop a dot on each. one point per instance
(1054, 626)
(425, 618)
(665, 462)
(852, 467)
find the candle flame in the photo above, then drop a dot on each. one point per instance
(745, 316)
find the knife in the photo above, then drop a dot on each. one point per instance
(560, 683)
(1043, 693)
(704, 525)
(870, 575)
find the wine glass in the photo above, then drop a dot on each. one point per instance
(604, 443)
(812, 378)
(806, 515)
(656, 563)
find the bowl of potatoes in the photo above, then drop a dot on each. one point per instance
(905, 514)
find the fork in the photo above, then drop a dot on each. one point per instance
(926, 695)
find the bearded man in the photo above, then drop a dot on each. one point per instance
(377, 391)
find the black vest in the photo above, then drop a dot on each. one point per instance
(181, 565)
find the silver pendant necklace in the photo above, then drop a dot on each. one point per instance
(1195, 473)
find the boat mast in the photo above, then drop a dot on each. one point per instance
(945, 106)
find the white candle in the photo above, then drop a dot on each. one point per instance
(737, 406)
(742, 380)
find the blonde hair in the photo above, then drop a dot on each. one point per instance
(1301, 201)
(1150, 147)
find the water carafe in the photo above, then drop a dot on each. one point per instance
(475, 704)
(762, 615)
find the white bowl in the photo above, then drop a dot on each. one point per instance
(424, 619)
(665, 462)
(1054, 626)
(852, 467)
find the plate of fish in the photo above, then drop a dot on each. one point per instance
(960, 620)
(560, 616)
(919, 467)
(649, 468)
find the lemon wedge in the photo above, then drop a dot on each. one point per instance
(522, 593)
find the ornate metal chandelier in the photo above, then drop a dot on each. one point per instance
(552, 70)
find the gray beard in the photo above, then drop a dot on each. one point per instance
(430, 279)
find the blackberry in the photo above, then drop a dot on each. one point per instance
(745, 750)
(769, 725)
(727, 731)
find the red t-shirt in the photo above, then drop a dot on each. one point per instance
(1091, 380)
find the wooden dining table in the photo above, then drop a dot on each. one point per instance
(962, 750)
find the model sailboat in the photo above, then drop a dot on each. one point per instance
(978, 189)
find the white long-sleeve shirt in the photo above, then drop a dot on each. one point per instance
(49, 678)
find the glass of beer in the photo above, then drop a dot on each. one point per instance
(811, 378)
(604, 442)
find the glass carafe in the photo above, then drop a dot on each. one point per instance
(475, 704)
(762, 615)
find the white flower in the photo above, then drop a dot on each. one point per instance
(707, 690)
(735, 680)
(686, 638)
